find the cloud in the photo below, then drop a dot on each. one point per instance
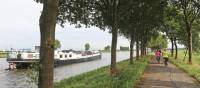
(20, 28)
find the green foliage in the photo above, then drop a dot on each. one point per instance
(57, 44)
(122, 48)
(158, 42)
(175, 24)
(196, 42)
(39, 1)
(107, 48)
(3, 54)
(100, 78)
(172, 21)
(87, 46)
(143, 22)
(182, 37)
(32, 73)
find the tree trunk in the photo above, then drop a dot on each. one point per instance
(47, 32)
(144, 48)
(137, 47)
(113, 68)
(145, 43)
(190, 45)
(176, 54)
(185, 53)
(141, 47)
(131, 49)
(172, 47)
(113, 51)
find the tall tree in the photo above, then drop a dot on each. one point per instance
(105, 14)
(190, 12)
(141, 23)
(47, 31)
(172, 23)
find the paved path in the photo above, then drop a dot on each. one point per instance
(159, 76)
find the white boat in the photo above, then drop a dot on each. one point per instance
(64, 57)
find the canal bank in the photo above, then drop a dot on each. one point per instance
(3, 55)
(19, 78)
(127, 77)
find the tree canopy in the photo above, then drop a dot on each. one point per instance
(107, 48)
(141, 21)
(158, 42)
(87, 46)
(57, 44)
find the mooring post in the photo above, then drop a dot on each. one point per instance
(12, 66)
(9, 66)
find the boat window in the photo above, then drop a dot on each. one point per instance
(29, 55)
(60, 56)
(19, 56)
(65, 56)
(70, 55)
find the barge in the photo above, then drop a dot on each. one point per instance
(21, 59)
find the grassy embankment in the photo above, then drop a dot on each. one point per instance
(3, 55)
(194, 69)
(100, 78)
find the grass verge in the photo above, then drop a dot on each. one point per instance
(3, 55)
(100, 78)
(193, 70)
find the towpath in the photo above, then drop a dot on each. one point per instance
(159, 76)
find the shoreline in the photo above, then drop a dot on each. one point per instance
(128, 76)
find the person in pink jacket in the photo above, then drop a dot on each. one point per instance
(157, 54)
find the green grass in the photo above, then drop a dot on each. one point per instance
(193, 70)
(3, 55)
(100, 78)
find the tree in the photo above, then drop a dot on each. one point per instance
(140, 26)
(158, 42)
(87, 46)
(57, 44)
(172, 26)
(107, 48)
(104, 14)
(47, 24)
(189, 13)
(111, 15)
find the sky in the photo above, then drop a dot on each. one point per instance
(19, 28)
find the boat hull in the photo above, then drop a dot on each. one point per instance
(24, 63)
(72, 61)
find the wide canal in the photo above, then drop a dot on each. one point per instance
(19, 78)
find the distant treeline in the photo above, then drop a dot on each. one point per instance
(122, 48)
(108, 49)
(3, 54)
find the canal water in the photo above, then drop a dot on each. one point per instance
(19, 78)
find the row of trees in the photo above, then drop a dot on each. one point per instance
(137, 20)
(181, 24)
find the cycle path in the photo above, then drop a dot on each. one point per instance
(160, 76)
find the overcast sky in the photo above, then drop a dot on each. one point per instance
(19, 28)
